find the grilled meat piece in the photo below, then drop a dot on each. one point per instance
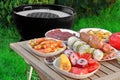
(91, 40)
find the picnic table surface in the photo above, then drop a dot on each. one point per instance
(109, 70)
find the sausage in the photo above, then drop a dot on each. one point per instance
(91, 40)
(84, 37)
(106, 48)
(94, 42)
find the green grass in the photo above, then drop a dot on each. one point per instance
(108, 19)
(12, 66)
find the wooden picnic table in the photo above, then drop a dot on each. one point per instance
(110, 70)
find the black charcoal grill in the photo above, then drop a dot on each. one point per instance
(43, 15)
(32, 21)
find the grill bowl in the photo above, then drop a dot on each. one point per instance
(33, 21)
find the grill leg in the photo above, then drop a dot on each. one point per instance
(30, 73)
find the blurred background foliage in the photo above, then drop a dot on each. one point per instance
(6, 7)
(84, 8)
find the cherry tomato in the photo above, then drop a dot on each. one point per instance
(80, 71)
(91, 68)
(78, 54)
(114, 40)
(87, 56)
(75, 70)
(92, 62)
(83, 71)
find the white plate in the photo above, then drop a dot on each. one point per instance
(46, 54)
(114, 57)
(76, 76)
(94, 29)
(64, 30)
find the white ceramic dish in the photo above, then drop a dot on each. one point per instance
(76, 76)
(94, 29)
(63, 30)
(109, 59)
(46, 54)
(114, 57)
(106, 40)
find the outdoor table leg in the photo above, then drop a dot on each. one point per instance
(30, 73)
(41, 76)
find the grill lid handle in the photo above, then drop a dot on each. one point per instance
(27, 8)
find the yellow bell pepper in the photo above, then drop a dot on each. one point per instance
(64, 63)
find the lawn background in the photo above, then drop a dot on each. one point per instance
(12, 66)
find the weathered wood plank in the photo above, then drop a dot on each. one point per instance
(106, 70)
(110, 66)
(42, 77)
(86, 79)
(100, 73)
(93, 77)
(115, 63)
(114, 76)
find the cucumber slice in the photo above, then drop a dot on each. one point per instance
(79, 47)
(92, 50)
(98, 54)
(83, 48)
(71, 41)
(77, 43)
